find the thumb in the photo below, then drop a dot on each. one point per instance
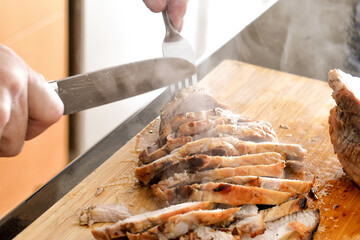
(45, 106)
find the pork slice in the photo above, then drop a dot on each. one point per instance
(253, 131)
(299, 225)
(287, 208)
(172, 126)
(230, 146)
(141, 222)
(223, 193)
(247, 132)
(206, 233)
(103, 213)
(166, 167)
(191, 99)
(344, 136)
(147, 156)
(252, 225)
(180, 179)
(247, 210)
(346, 93)
(283, 185)
(181, 224)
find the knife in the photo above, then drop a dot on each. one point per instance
(111, 84)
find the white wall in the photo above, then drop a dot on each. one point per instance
(122, 31)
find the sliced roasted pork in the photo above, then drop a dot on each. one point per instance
(180, 179)
(299, 225)
(230, 146)
(189, 100)
(103, 213)
(181, 224)
(172, 126)
(346, 93)
(287, 208)
(166, 167)
(344, 121)
(206, 233)
(223, 193)
(249, 131)
(283, 185)
(252, 225)
(142, 222)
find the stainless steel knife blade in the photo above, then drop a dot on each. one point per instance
(107, 85)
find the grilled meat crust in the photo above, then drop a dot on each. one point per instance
(344, 121)
(289, 207)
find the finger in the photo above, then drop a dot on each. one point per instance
(45, 106)
(14, 114)
(5, 109)
(177, 10)
(156, 5)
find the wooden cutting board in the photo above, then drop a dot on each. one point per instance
(297, 107)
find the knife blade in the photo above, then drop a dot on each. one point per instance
(111, 84)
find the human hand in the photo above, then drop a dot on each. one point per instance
(176, 9)
(28, 106)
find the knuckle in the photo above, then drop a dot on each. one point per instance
(10, 149)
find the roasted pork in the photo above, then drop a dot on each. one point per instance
(230, 146)
(218, 174)
(299, 225)
(166, 167)
(103, 213)
(181, 224)
(141, 222)
(223, 193)
(344, 121)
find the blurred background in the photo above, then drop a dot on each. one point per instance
(64, 37)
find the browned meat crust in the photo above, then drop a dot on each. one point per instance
(289, 207)
(345, 139)
(223, 193)
(166, 167)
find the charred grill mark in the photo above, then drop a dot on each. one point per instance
(224, 188)
(196, 161)
(312, 195)
(302, 203)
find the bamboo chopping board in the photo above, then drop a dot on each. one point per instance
(298, 109)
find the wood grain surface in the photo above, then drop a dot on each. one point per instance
(297, 107)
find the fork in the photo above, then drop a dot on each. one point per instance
(174, 45)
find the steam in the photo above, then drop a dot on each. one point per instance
(304, 37)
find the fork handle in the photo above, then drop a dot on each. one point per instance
(171, 31)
